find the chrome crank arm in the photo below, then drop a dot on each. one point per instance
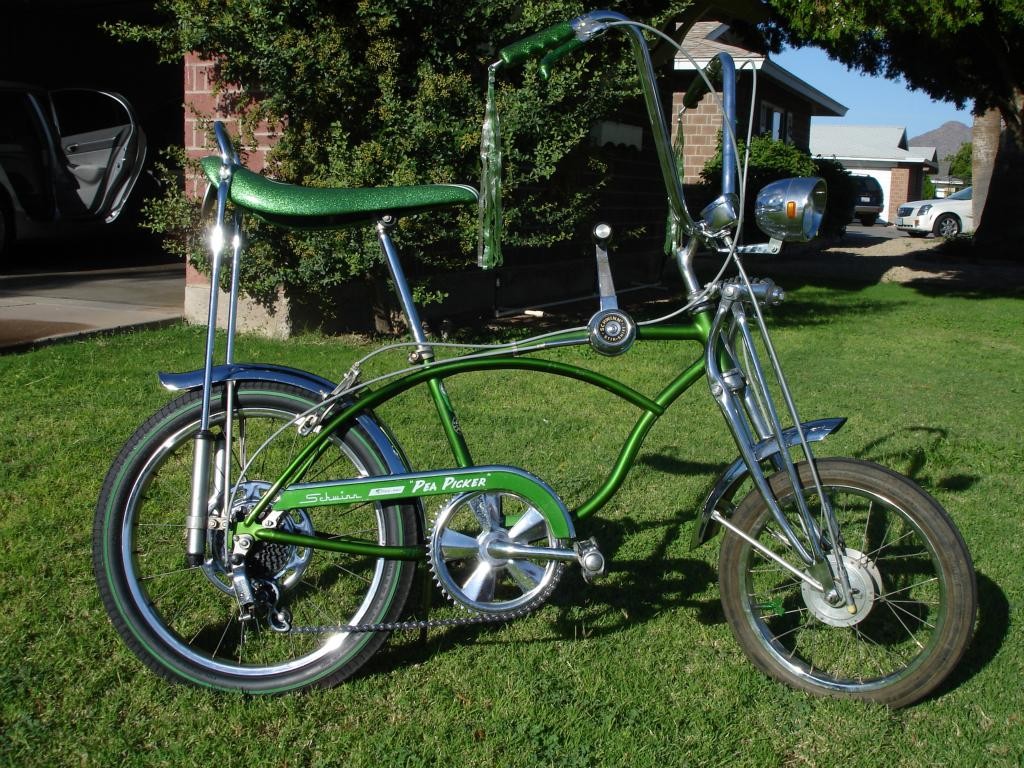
(513, 551)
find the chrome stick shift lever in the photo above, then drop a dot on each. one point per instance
(612, 331)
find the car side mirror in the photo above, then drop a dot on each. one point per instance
(791, 209)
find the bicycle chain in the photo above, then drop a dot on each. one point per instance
(412, 626)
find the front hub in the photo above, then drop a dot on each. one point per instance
(865, 585)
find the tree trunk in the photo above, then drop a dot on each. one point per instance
(998, 196)
(985, 140)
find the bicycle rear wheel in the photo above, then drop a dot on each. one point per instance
(912, 576)
(183, 622)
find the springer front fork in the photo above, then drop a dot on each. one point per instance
(741, 385)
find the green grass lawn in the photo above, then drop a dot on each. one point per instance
(638, 670)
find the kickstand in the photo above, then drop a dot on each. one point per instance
(426, 598)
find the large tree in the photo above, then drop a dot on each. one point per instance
(970, 52)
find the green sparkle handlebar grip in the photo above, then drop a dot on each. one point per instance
(536, 44)
(549, 60)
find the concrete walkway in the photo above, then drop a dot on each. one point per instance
(44, 307)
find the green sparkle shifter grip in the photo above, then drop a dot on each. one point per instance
(549, 60)
(536, 44)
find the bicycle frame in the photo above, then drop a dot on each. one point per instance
(725, 340)
(307, 527)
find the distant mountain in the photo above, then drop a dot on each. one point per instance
(946, 139)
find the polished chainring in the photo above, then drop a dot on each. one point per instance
(461, 554)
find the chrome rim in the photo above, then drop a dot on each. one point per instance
(900, 605)
(949, 228)
(199, 620)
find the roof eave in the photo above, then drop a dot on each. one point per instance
(822, 105)
(827, 106)
(929, 164)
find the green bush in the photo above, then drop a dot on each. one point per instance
(390, 92)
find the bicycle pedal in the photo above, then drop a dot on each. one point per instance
(592, 562)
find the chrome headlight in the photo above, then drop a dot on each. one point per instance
(791, 209)
(924, 209)
(721, 215)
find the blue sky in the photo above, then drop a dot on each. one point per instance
(870, 100)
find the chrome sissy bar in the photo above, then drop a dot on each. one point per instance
(202, 502)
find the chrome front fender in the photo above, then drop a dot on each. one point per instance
(730, 480)
(317, 386)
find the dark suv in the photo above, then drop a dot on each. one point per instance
(868, 199)
(68, 160)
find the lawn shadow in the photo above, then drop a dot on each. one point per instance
(991, 629)
(673, 466)
(637, 590)
(890, 450)
(634, 591)
(940, 270)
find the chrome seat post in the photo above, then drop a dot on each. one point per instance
(424, 352)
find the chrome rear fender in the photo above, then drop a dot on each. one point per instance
(279, 374)
(729, 482)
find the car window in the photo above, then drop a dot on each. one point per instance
(82, 111)
(22, 153)
(963, 194)
(867, 184)
(19, 126)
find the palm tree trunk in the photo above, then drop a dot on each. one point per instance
(998, 164)
(985, 138)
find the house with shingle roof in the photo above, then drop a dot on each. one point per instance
(880, 151)
(783, 107)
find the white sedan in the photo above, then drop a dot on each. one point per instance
(943, 217)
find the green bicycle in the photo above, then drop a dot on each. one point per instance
(262, 531)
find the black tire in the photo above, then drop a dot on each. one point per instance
(902, 642)
(183, 623)
(947, 225)
(868, 219)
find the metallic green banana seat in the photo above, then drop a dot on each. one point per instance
(301, 207)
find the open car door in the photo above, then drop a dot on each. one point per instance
(104, 148)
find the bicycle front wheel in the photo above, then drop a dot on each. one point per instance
(911, 575)
(183, 622)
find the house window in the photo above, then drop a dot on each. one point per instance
(776, 122)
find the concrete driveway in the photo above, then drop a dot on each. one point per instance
(46, 297)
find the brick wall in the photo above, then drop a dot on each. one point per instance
(202, 105)
(899, 192)
(700, 129)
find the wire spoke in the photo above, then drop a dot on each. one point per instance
(873, 554)
(898, 609)
(887, 595)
